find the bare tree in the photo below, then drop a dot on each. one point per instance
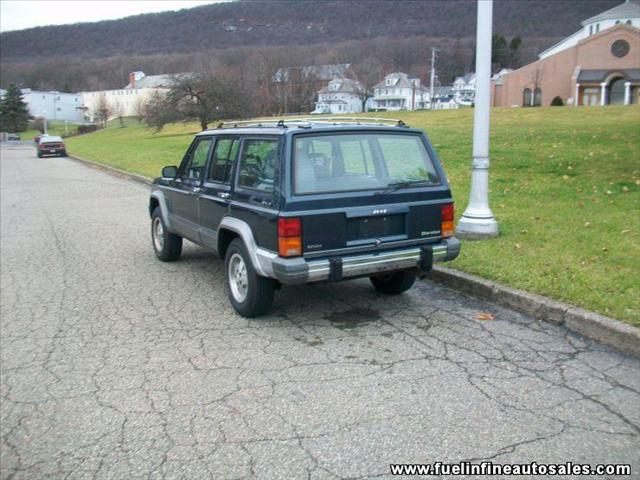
(139, 106)
(368, 72)
(158, 112)
(103, 109)
(206, 96)
(118, 112)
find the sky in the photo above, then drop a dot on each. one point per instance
(20, 14)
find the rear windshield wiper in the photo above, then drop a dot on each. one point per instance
(392, 187)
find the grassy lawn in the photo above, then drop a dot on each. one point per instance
(565, 188)
(53, 128)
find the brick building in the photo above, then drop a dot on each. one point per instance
(598, 65)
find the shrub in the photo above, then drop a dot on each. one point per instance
(557, 102)
(92, 127)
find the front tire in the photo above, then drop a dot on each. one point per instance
(250, 294)
(394, 283)
(166, 245)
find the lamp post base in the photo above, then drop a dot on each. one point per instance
(470, 228)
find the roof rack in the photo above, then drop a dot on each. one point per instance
(282, 123)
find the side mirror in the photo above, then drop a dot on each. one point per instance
(170, 172)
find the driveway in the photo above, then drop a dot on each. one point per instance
(115, 365)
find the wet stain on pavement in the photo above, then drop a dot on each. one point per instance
(352, 318)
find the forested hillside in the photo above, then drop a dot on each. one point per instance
(99, 55)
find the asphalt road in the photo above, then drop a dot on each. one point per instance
(115, 365)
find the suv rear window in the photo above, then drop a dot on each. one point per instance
(365, 161)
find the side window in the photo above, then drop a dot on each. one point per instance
(223, 156)
(257, 164)
(194, 164)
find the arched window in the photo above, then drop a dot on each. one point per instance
(526, 97)
(537, 97)
(616, 92)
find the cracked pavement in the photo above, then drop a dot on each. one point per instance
(115, 365)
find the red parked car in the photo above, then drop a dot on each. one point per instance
(51, 145)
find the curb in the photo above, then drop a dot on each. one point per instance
(112, 170)
(607, 330)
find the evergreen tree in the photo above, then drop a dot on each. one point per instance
(514, 53)
(14, 116)
(499, 52)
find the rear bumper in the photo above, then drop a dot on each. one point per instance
(291, 271)
(52, 151)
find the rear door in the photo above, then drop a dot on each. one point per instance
(187, 188)
(358, 190)
(254, 196)
(215, 195)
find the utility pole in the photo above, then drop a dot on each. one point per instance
(477, 221)
(413, 95)
(433, 76)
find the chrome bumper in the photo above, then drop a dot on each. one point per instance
(290, 271)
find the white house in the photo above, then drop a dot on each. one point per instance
(626, 13)
(139, 90)
(54, 106)
(399, 91)
(464, 89)
(443, 98)
(341, 95)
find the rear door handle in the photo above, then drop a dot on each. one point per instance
(195, 190)
(223, 194)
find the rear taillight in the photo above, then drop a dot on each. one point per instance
(447, 220)
(289, 237)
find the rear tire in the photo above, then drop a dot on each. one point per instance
(39, 155)
(394, 283)
(166, 245)
(250, 294)
(64, 153)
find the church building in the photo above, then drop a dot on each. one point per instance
(597, 65)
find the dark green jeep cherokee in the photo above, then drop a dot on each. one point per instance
(307, 200)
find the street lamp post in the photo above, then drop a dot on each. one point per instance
(477, 221)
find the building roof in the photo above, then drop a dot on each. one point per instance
(598, 76)
(625, 10)
(26, 91)
(153, 81)
(347, 85)
(468, 78)
(404, 80)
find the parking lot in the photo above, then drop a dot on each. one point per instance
(115, 365)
